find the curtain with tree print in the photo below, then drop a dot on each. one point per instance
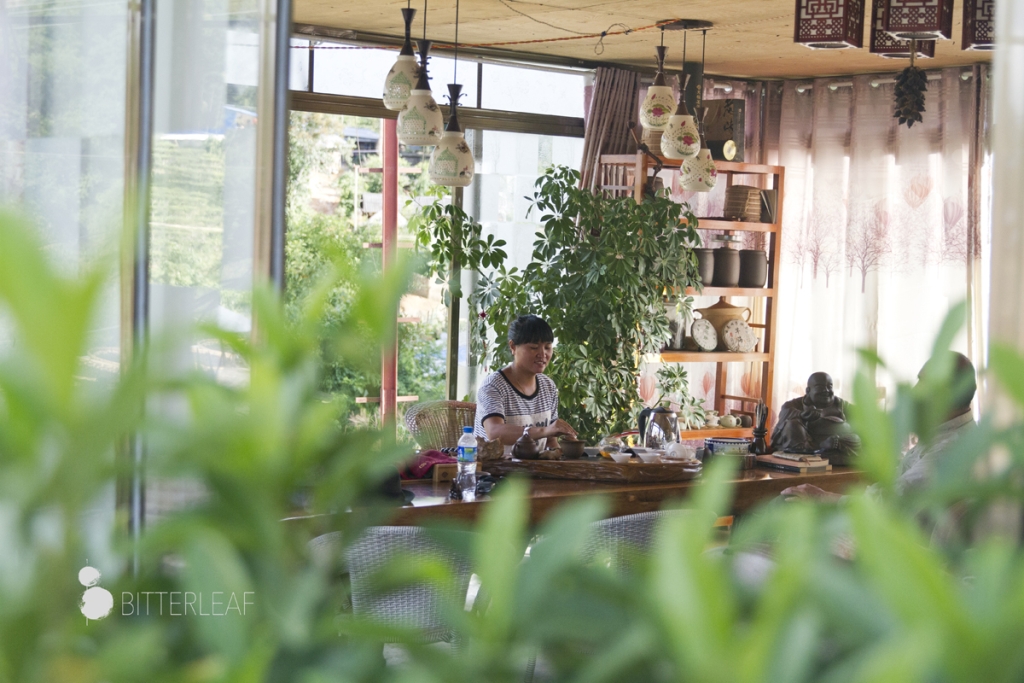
(882, 225)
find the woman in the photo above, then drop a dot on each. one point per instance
(520, 395)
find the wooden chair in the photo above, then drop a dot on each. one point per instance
(438, 424)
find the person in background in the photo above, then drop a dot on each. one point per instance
(520, 396)
(918, 463)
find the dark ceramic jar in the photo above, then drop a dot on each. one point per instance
(705, 265)
(753, 268)
(727, 267)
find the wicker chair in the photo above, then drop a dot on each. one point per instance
(416, 606)
(626, 539)
(438, 424)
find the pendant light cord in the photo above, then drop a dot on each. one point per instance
(684, 49)
(455, 73)
(424, 19)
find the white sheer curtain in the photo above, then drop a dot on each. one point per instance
(881, 225)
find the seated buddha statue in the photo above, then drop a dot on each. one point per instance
(816, 422)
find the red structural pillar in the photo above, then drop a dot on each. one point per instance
(389, 370)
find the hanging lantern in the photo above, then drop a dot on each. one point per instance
(403, 75)
(919, 19)
(681, 140)
(699, 174)
(835, 24)
(659, 103)
(979, 25)
(420, 121)
(885, 45)
(451, 162)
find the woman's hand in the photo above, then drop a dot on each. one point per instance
(810, 491)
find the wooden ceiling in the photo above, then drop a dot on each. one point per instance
(751, 38)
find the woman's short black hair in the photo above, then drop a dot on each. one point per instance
(530, 329)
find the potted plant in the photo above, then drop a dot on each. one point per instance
(600, 271)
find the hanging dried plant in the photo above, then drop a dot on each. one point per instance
(911, 85)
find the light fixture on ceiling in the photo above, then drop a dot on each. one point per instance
(420, 121)
(403, 75)
(979, 25)
(919, 19)
(700, 174)
(659, 103)
(451, 162)
(829, 25)
(885, 45)
(681, 140)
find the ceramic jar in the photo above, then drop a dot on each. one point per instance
(681, 139)
(705, 265)
(753, 268)
(727, 267)
(722, 312)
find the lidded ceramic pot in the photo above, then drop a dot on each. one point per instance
(420, 122)
(403, 75)
(722, 312)
(658, 104)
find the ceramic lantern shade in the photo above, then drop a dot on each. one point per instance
(698, 174)
(829, 24)
(681, 139)
(420, 122)
(402, 77)
(451, 162)
(919, 19)
(658, 104)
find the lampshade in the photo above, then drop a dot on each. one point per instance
(885, 45)
(403, 75)
(420, 122)
(681, 139)
(919, 19)
(698, 174)
(830, 24)
(659, 103)
(979, 25)
(451, 162)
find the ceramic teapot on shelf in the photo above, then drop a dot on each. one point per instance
(722, 312)
(659, 427)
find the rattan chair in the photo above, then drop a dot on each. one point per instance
(438, 424)
(417, 606)
(625, 540)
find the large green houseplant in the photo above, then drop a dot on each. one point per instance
(600, 272)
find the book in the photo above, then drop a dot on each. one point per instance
(811, 464)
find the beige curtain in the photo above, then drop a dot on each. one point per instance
(882, 226)
(613, 105)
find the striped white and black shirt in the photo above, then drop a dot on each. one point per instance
(496, 397)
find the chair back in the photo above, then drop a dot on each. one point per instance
(625, 540)
(415, 606)
(438, 424)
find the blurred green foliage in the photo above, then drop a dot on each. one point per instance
(902, 609)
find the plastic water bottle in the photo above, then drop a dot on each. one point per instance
(467, 464)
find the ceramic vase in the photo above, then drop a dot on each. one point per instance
(680, 139)
(698, 174)
(727, 267)
(705, 265)
(401, 80)
(451, 162)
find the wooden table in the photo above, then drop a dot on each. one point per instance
(752, 487)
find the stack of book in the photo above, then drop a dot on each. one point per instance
(794, 462)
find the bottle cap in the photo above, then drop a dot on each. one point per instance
(467, 430)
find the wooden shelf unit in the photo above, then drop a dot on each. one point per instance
(626, 175)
